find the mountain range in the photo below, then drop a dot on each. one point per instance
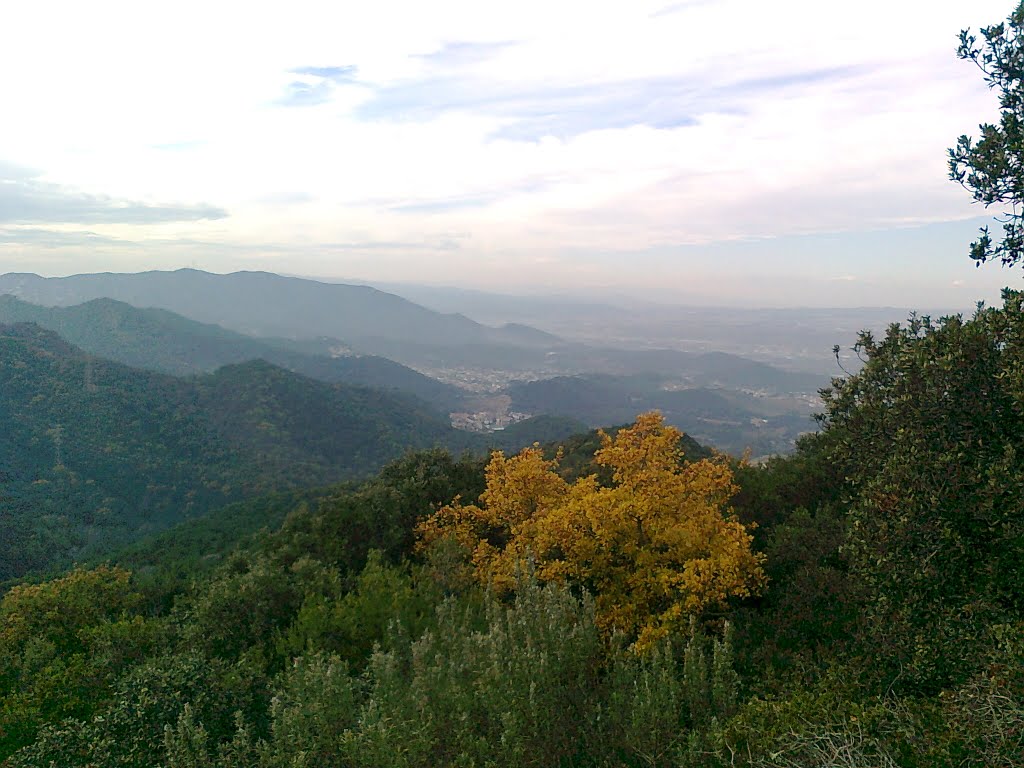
(178, 323)
(160, 340)
(265, 304)
(326, 316)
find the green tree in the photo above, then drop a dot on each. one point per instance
(55, 659)
(928, 435)
(992, 167)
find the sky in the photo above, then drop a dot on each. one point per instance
(705, 151)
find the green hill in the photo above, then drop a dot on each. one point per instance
(96, 454)
(310, 430)
(159, 340)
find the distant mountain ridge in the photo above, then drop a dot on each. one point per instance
(265, 304)
(160, 340)
(371, 321)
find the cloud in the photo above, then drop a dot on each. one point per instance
(532, 112)
(343, 74)
(687, 5)
(466, 202)
(55, 238)
(462, 54)
(444, 244)
(472, 199)
(25, 199)
(786, 80)
(317, 85)
(178, 146)
(303, 94)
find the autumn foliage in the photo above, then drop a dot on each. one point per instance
(656, 547)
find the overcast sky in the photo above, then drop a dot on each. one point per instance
(764, 153)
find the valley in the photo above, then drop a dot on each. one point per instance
(477, 375)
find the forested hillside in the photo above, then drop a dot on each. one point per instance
(95, 453)
(92, 450)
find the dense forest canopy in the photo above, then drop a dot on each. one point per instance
(96, 454)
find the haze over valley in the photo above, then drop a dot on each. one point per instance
(482, 377)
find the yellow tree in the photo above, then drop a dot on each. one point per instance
(655, 548)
